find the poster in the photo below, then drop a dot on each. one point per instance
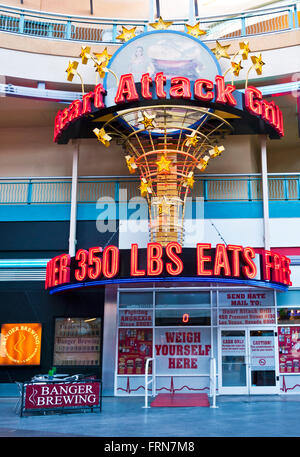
(20, 344)
(135, 346)
(262, 353)
(135, 318)
(233, 345)
(246, 299)
(247, 316)
(182, 351)
(289, 349)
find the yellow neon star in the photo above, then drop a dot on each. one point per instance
(102, 136)
(195, 30)
(163, 164)
(164, 208)
(126, 34)
(190, 180)
(244, 49)
(192, 139)
(132, 166)
(161, 24)
(147, 121)
(85, 54)
(145, 187)
(203, 163)
(216, 151)
(236, 67)
(257, 63)
(221, 51)
(102, 57)
(71, 70)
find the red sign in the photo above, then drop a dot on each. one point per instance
(289, 349)
(231, 262)
(181, 88)
(62, 395)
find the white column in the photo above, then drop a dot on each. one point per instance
(73, 214)
(265, 190)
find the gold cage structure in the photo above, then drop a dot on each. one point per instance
(166, 145)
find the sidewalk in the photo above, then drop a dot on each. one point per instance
(236, 416)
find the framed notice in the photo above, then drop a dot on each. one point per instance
(20, 344)
(77, 341)
(289, 349)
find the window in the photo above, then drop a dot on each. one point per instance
(77, 341)
(289, 316)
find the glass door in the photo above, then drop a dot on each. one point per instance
(262, 366)
(247, 362)
(233, 372)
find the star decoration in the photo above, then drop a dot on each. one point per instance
(147, 121)
(163, 164)
(164, 208)
(85, 54)
(221, 51)
(126, 34)
(100, 68)
(216, 151)
(203, 163)
(102, 136)
(236, 67)
(145, 187)
(103, 57)
(190, 180)
(195, 30)
(71, 70)
(161, 24)
(244, 49)
(192, 139)
(257, 63)
(132, 166)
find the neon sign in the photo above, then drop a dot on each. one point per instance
(232, 263)
(201, 90)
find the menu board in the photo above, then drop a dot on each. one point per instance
(135, 346)
(289, 349)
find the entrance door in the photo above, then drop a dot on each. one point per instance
(247, 362)
(262, 362)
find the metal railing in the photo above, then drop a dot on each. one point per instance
(212, 188)
(213, 382)
(151, 381)
(85, 29)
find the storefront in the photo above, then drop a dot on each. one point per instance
(183, 328)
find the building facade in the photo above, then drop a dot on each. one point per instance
(84, 285)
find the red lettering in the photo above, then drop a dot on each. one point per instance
(249, 270)
(224, 94)
(160, 80)
(180, 88)
(201, 259)
(134, 262)
(82, 257)
(235, 261)
(154, 261)
(174, 258)
(126, 89)
(221, 261)
(64, 272)
(111, 260)
(94, 270)
(75, 110)
(252, 100)
(145, 86)
(98, 97)
(86, 102)
(203, 89)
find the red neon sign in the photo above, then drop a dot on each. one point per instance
(231, 261)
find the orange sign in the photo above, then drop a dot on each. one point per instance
(20, 344)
